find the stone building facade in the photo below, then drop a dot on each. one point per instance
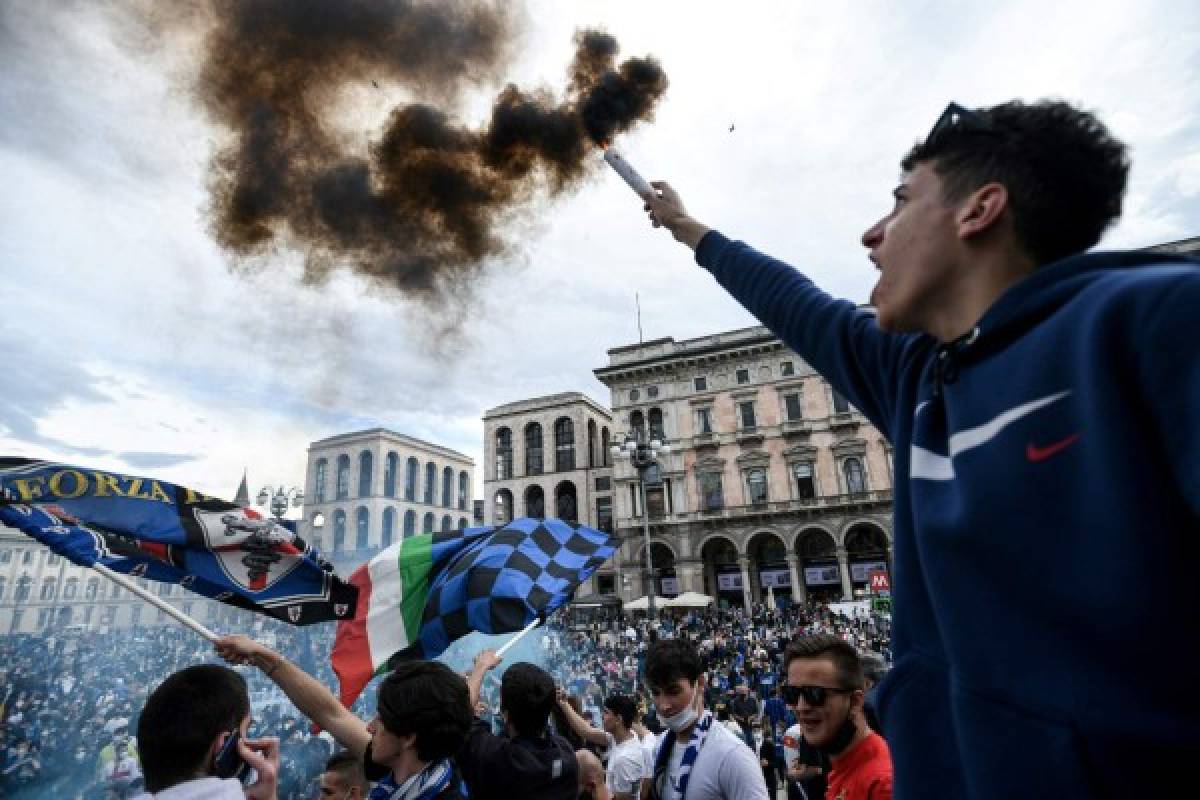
(365, 490)
(773, 480)
(548, 456)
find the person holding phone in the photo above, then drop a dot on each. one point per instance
(193, 740)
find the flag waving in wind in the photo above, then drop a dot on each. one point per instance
(419, 595)
(156, 530)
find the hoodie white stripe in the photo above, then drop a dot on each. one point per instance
(927, 465)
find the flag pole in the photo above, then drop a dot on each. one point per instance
(159, 603)
(517, 638)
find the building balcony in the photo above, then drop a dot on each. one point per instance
(797, 427)
(844, 420)
(838, 502)
(750, 436)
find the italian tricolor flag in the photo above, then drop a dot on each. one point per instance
(392, 590)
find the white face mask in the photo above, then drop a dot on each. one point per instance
(687, 716)
(680, 721)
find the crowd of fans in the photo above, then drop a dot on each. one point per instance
(70, 700)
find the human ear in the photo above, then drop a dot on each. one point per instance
(981, 209)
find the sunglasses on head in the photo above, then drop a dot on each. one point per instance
(813, 695)
(958, 117)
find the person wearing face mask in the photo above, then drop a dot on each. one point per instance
(825, 687)
(697, 758)
(343, 778)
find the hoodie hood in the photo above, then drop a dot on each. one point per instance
(1032, 300)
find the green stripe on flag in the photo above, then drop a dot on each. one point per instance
(416, 562)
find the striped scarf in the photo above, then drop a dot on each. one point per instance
(699, 736)
(426, 784)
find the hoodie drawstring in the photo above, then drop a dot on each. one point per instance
(945, 366)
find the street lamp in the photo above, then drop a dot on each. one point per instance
(643, 455)
(280, 497)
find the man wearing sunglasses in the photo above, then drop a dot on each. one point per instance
(1042, 405)
(825, 688)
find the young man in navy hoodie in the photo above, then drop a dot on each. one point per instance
(1044, 407)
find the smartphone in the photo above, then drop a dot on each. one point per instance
(228, 763)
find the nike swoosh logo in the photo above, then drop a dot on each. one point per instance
(1036, 454)
(928, 465)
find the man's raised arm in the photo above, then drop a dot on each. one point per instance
(313, 699)
(578, 724)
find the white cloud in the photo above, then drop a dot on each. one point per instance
(109, 267)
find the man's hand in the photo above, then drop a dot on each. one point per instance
(239, 649)
(667, 211)
(560, 694)
(263, 756)
(487, 660)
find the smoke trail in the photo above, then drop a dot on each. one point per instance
(425, 206)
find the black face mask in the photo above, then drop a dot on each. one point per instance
(372, 770)
(842, 739)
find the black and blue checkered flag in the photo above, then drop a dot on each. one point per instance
(421, 594)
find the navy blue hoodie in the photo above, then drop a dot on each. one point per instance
(1046, 581)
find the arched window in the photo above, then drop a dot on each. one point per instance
(427, 527)
(339, 531)
(430, 482)
(463, 480)
(533, 449)
(503, 454)
(637, 425)
(89, 591)
(535, 502)
(389, 474)
(756, 486)
(564, 445)
(656, 424)
(447, 523)
(502, 511)
(410, 523)
(565, 502)
(71, 588)
(463, 524)
(410, 479)
(448, 487)
(365, 462)
(389, 523)
(855, 482)
(24, 587)
(361, 528)
(343, 477)
(49, 587)
(319, 480)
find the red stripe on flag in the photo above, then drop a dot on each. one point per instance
(351, 658)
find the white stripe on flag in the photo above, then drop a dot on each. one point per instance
(385, 619)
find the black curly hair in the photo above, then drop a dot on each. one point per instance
(1064, 172)
(431, 700)
(527, 693)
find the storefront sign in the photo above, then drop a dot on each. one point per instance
(729, 581)
(822, 576)
(779, 578)
(860, 571)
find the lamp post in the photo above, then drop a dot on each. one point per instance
(643, 455)
(280, 498)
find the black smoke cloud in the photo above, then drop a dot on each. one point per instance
(425, 205)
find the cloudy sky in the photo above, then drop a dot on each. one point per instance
(131, 341)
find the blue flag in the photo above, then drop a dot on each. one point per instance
(156, 530)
